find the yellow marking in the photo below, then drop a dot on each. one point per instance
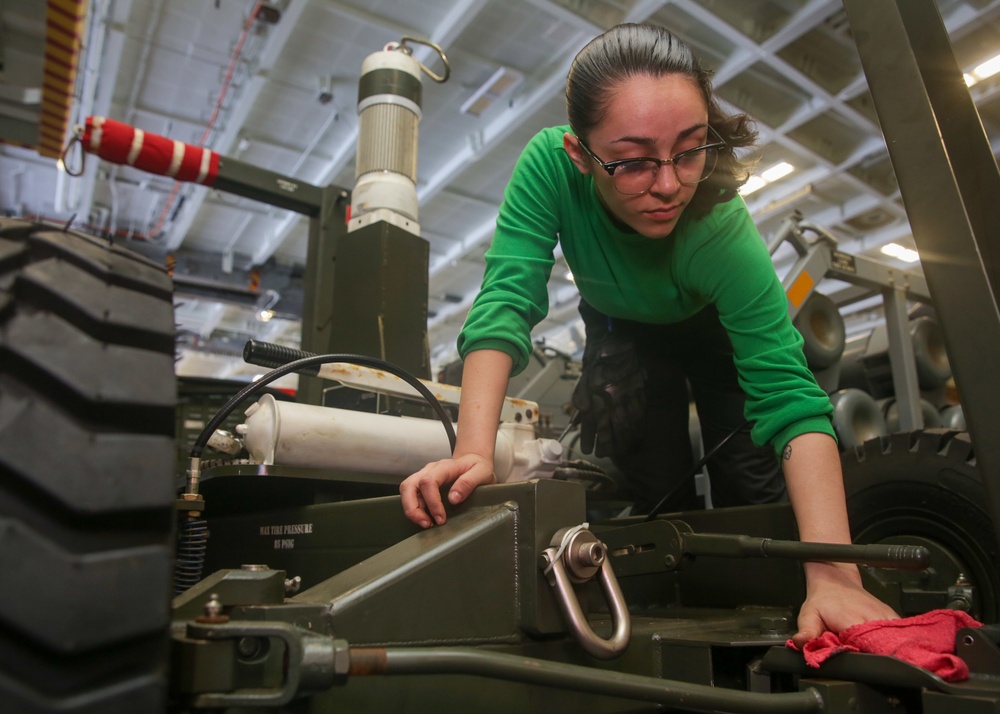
(800, 289)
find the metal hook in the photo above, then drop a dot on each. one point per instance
(77, 139)
(434, 46)
(577, 558)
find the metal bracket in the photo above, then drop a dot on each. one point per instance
(312, 663)
(576, 556)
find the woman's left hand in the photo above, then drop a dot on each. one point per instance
(835, 600)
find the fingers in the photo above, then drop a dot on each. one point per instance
(421, 492)
(421, 496)
(469, 482)
(810, 627)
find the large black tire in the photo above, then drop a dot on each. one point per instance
(923, 488)
(87, 456)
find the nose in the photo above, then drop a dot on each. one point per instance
(666, 182)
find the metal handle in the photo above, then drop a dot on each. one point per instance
(268, 354)
(580, 552)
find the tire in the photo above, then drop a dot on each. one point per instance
(923, 488)
(87, 455)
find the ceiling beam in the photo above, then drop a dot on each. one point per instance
(278, 38)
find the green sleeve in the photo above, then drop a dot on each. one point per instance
(733, 267)
(514, 293)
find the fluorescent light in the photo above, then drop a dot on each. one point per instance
(894, 250)
(753, 183)
(987, 68)
(777, 171)
(983, 70)
(757, 182)
(500, 83)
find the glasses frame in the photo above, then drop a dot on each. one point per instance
(611, 166)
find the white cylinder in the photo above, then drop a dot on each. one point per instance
(389, 99)
(292, 434)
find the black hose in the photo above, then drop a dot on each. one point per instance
(314, 361)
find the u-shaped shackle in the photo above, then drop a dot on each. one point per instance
(576, 556)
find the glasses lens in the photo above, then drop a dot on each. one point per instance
(634, 177)
(696, 166)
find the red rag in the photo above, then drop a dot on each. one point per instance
(926, 640)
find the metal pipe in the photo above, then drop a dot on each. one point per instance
(905, 557)
(528, 670)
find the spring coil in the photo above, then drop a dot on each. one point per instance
(192, 543)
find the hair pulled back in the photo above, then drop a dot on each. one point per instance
(630, 50)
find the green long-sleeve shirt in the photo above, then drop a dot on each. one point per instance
(717, 259)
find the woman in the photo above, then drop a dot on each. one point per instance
(641, 194)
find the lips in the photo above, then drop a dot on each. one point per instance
(663, 213)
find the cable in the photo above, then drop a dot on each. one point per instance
(300, 364)
(701, 462)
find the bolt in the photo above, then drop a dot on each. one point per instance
(212, 612)
(590, 555)
(292, 585)
(251, 648)
(670, 561)
(213, 608)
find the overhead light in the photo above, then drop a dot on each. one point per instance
(754, 183)
(894, 250)
(759, 181)
(777, 171)
(502, 82)
(984, 70)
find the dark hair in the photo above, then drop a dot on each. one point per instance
(629, 50)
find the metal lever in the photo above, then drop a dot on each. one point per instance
(576, 555)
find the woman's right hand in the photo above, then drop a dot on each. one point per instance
(421, 492)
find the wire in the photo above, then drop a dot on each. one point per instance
(701, 462)
(316, 360)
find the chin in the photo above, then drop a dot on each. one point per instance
(657, 232)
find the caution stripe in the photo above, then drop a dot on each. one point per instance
(64, 25)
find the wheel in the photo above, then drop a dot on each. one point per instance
(933, 368)
(923, 488)
(87, 457)
(856, 417)
(822, 328)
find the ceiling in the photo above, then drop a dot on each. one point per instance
(278, 89)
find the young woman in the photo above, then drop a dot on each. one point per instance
(677, 288)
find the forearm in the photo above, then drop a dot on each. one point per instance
(816, 488)
(484, 385)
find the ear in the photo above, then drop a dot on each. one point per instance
(572, 147)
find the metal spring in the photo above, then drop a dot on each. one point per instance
(192, 543)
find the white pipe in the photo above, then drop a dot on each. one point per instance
(292, 434)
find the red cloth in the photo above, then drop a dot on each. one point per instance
(927, 641)
(123, 144)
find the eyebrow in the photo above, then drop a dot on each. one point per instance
(649, 141)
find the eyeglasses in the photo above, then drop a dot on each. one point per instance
(635, 176)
